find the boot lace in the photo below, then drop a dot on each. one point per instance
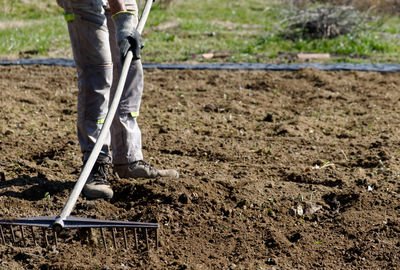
(144, 164)
(100, 173)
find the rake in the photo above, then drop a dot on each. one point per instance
(14, 229)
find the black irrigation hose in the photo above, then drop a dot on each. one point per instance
(225, 66)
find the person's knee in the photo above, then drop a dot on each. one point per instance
(94, 90)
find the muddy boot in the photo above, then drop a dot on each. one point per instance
(97, 185)
(141, 169)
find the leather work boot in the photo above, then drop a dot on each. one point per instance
(141, 169)
(97, 185)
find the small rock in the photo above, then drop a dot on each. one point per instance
(210, 108)
(311, 208)
(207, 55)
(299, 210)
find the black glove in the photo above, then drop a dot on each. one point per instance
(128, 38)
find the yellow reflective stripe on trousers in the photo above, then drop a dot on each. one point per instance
(123, 12)
(69, 17)
(134, 114)
(101, 121)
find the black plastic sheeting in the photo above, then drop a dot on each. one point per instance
(224, 66)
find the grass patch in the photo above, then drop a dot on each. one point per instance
(234, 31)
(32, 9)
(35, 37)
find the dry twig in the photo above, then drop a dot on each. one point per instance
(323, 21)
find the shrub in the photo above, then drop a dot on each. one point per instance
(323, 21)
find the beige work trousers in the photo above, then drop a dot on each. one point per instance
(97, 59)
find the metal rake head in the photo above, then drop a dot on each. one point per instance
(49, 232)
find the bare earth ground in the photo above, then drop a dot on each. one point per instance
(279, 170)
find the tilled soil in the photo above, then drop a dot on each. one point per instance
(279, 170)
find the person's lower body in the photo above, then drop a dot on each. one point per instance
(126, 138)
(96, 55)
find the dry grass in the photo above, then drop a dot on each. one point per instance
(163, 4)
(323, 21)
(20, 8)
(386, 6)
(13, 24)
(380, 6)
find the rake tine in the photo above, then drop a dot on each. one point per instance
(156, 232)
(104, 238)
(22, 235)
(136, 240)
(34, 236)
(45, 222)
(2, 235)
(147, 239)
(45, 237)
(55, 238)
(12, 234)
(114, 240)
(125, 238)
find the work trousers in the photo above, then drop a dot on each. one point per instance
(97, 59)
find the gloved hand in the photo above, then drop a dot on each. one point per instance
(128, 38)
